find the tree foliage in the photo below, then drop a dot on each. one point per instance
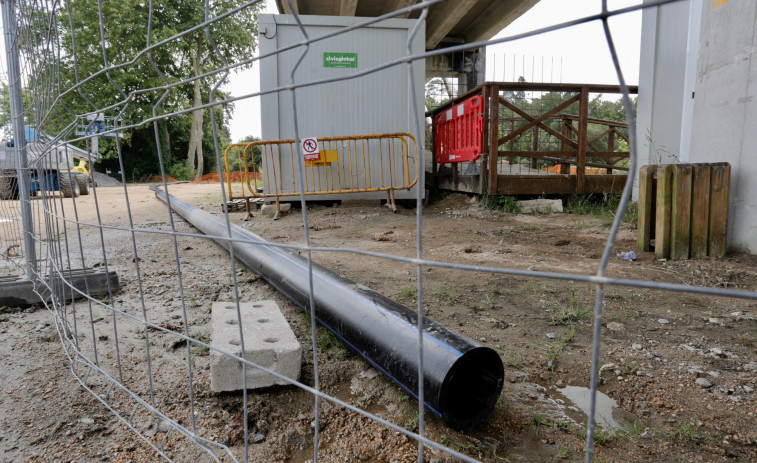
(71, 45)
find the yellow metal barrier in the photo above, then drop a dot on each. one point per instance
(354, 164)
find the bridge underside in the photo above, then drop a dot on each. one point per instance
(451, 22)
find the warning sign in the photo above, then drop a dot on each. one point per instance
(310, 148)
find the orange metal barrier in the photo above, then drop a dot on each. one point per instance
(354, 164)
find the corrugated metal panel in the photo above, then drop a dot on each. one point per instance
(379, 102)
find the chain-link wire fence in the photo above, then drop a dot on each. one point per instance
(89, 75)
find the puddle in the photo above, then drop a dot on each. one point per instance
(608, 415)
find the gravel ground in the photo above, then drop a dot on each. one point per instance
(680, 367)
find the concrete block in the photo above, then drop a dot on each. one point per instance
(268, 342)
(540, 206)
(19, 292)
(269, 210)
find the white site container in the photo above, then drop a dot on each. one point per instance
(378, 102)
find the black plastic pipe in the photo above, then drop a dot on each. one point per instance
(462, 378)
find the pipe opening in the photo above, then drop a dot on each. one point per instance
(471, 388)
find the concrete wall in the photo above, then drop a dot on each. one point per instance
(662, 83)
(725, 110)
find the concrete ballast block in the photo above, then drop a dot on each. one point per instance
(268, 342)
(541, 205)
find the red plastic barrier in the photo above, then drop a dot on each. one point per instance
(459, 132)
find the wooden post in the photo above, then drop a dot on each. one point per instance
(646, 207)
(493, 138)
(535, 146)
(512, 143)
(700, 209)
(610, 146)
(567, 133)
(680, 208)
(720, 185)
(483, 175)
(583, 114)
(662, 212)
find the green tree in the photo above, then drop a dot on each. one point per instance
(122, 39)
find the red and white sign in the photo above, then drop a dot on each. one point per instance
(310, 148)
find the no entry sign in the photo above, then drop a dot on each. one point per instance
(310, 148)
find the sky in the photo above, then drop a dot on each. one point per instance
(574, 55)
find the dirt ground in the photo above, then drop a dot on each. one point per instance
(681, 368)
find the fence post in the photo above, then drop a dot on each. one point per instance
(583, 114)
(493, 137)
(19, 134)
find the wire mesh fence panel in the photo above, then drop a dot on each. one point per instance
(134, 288)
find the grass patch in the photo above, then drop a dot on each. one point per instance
(514, 360)
(557, 346)
(570, 313)
(408, 294)
(603, 206)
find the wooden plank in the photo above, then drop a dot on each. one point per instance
(493, 137)
(536, 121)
(720, 185)
(583, 114)
(662, 210)
(680, 210)
(700, 209)
(604, 183)
(566, 126)
(611, 145)
(646, 206)
(536, 184)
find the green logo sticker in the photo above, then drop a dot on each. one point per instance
(340, 60)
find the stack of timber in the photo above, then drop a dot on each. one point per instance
(683, 209)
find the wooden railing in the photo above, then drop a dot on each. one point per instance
(554, 149)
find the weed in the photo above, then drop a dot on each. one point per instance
(503, 403)
(467, 446)
(508, 204)
(632, 367)
(603, 206)
(201, 351)
(445, 440)
(329, 343)
(528, 226)
(570, 313)
(562, 453)
(689, 432)
(408, 294)
(580, 225)
(514, 360)
(537, 421)
(412, 424)
(557, 346)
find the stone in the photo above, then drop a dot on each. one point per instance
(257, 438)
(748, 389)
(268, 341)
(713, 321)
(636, 346)
(540, 206)
(551, 335)
(737, 314)
(615, 326)
(717, 351)
(704, 383)
(663, 321)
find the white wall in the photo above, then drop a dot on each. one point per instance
(724, 126)
(662, 83)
